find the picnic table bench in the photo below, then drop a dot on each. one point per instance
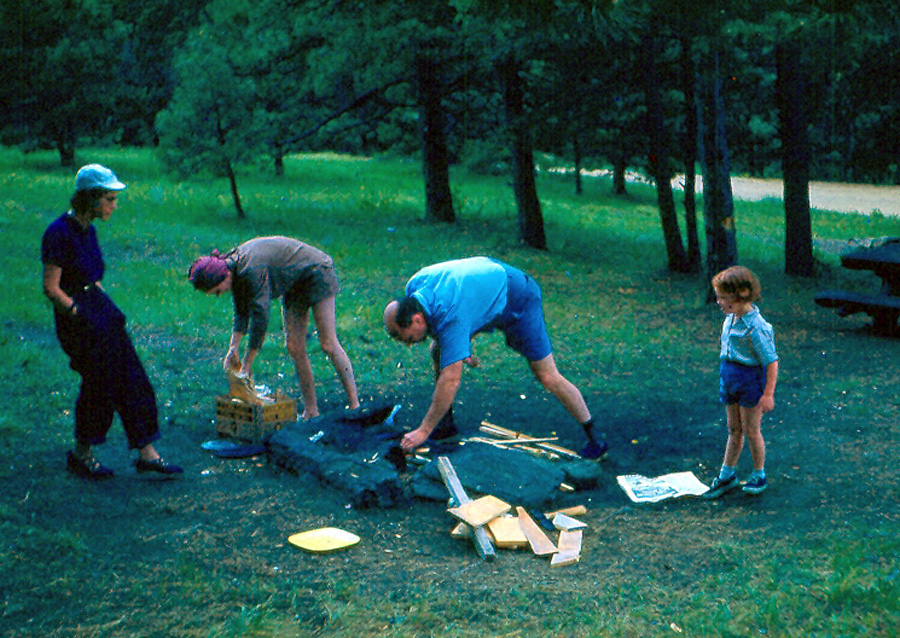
(884, 306)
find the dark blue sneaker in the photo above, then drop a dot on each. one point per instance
(720, 486)
(755, 484)
(595, 451)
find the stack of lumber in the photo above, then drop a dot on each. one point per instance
(490, 522)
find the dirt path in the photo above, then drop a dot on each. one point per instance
(845, 198)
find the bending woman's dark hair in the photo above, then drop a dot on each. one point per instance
(407, 307)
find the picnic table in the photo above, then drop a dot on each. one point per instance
(884, 306)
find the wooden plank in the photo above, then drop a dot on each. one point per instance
(496, 430)
(480, 537)
(569, 549)
(575, 510)
(480, 511)
(507, 532)
(540, 543)
(567, 523)
(505, 442)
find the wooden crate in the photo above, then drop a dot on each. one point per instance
(253, 423)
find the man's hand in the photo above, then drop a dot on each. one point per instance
(766, 403)
(473, 361)
(412, 440)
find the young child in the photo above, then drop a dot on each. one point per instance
(748, 374)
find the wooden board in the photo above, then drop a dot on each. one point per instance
(540, 543)
(507, 533)
(575, 510)
(480, 511)
(482, 541)
(569, 549)
(567, 523)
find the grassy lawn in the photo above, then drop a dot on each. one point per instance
(621, 326)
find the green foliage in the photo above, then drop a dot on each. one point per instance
(208, 127)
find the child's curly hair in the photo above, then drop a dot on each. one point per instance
(738, 281)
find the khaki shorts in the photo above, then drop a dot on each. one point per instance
(319, 282)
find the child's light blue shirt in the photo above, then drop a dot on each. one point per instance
(748, 340)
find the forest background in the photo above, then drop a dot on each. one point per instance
(797, 89)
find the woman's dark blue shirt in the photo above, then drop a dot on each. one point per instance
(67, 244)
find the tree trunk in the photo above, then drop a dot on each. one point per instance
(435, 162)
(232, 180)
(65, 144)
(531, 221)
(718, 204)
(689, 144)
(795, 156)
(279, 163)
(620, 165)
(659, 158)
(576, 152)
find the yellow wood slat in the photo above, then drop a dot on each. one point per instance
(480, 511)
(540, 543)
(507, 533)
(569, 548)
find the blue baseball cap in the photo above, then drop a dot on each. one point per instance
(97, 176)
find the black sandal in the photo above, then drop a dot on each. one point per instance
(157, 465)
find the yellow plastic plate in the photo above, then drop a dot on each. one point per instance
(324, 539)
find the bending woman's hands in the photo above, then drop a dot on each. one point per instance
(232, 362)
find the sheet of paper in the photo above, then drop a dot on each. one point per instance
(642, 489)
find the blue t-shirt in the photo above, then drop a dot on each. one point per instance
(73, 248)
(460, 298)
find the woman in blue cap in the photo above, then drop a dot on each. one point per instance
(91, 331)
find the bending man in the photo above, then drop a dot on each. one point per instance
(453, 301)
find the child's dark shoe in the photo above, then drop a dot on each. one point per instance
(720, 486)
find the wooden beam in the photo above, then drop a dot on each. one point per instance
(482, 541)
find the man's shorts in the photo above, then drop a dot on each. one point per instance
(741, 384)
(319, 282)
(522, 321)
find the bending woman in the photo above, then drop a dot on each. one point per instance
(267, 268)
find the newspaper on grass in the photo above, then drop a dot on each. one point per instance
(641, 489)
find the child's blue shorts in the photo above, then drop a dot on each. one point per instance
(741, 384)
